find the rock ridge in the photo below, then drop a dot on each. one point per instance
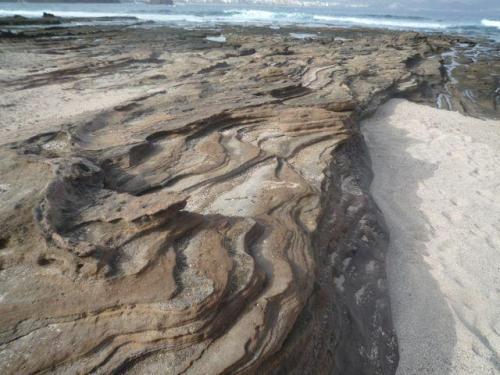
(212, 216)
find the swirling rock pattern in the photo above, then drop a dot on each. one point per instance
(216, 219)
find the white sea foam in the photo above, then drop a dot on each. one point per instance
(271, 17)
(261, 17)
(251, 14)
(381, 22)
(227, 16)
(490, 23)
(77, 14)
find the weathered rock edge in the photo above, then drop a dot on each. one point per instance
(353, 339)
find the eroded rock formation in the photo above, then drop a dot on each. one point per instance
(215, 220)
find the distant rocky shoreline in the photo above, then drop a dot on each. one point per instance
(48, 19)
(178, 204)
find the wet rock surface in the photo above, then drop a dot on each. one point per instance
(170, 204)
(472, 83)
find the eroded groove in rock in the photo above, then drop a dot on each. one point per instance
(217, 223)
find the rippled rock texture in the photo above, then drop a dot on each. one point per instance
(208, 213)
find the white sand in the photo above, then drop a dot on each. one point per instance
(437, 180)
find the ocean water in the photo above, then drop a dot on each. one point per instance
(197, 15)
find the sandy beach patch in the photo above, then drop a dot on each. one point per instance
(437, 182)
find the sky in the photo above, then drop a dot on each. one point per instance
(413, 5)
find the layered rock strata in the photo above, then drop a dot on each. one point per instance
(183, 206)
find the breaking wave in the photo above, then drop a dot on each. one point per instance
(490, 23)
(273, 16)
(389, 22)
